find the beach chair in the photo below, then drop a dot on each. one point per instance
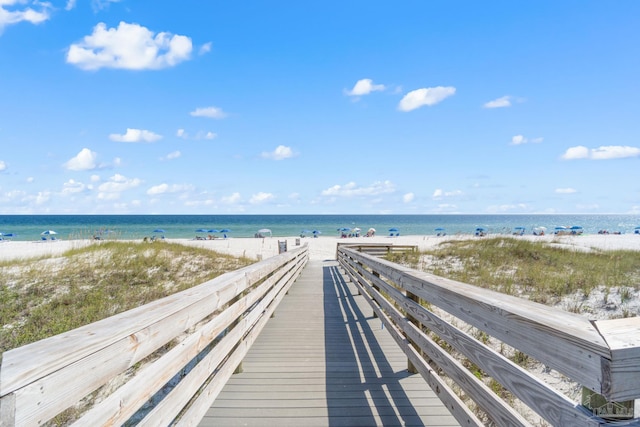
(43, 238)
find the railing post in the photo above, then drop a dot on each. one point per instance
(374, 286)
(410, 367)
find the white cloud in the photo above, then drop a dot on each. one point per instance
(95, 178)
(364, 87)
(352, 190)
(98, 5)
(10, 14)
(166, 188)
(42, 197)
(205, 48)
(210, 112)
(131, 47)
(118, 183)
(440, 194)
(520, 139)
(565, 190)
(71, 4)
(84, 160)
(135, 135)
(408, 198)
(425, 96)
(232, 199)
(261, 197)
(72, 186)
(30, 179)
(601, 153)
(3, 166)
(181, 133)
(502, 102)
(280, 153)
(173, 155)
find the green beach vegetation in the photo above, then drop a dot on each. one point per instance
(542, 272)
(46, 296)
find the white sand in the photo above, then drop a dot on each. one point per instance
(321, 248)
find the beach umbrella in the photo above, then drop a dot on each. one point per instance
(373, 230)
(225, 230)
(393, 229)
(201, 230)
(317, 232)
(159, 231)
(439, 229)
(305, 232)
(213, 231)
(344, 229)
(576, 227)
(264, 230)
(48, 233)
(356, 229)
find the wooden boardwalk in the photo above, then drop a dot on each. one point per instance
(323, 360)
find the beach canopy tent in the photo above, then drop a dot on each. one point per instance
(636, 230)
(263, 232)
(576, 229)
(46, 233)
(518, 231)
(561, 230)
(159, 231)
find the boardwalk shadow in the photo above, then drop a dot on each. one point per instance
(362, 388)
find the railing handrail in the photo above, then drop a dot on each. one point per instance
(590, 353)
(42, 379)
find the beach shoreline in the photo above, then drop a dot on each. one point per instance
(320, 248)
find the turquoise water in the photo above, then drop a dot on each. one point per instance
(29, 227)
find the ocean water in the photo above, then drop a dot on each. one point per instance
(29, 227)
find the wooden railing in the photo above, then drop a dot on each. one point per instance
(164, 361)
(426, 313)
(378, 249)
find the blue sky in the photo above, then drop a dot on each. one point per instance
(292, 107)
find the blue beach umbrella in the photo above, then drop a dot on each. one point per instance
(213, 231)
(48, 233)
(159, 230)
(394, 229)
(317, 232)
(225, 230)
(201, 230)
(439, 229)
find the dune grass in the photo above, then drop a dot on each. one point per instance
(539, 271)
(50, 295)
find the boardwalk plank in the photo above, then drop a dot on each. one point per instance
(323, 360)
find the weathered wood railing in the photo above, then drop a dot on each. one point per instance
(196, 338)
(377, 249)
(603, 356)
